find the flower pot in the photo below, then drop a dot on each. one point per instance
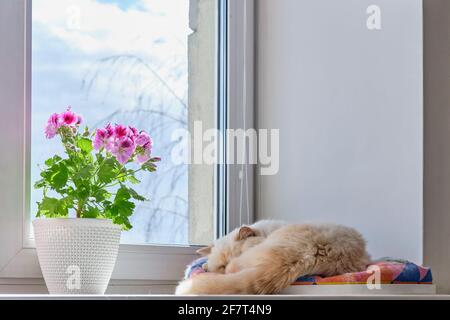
(77, 256)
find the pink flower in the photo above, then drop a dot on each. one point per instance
(144, 155)
(53, 124)
(79, 120)
(109, 128)
(142, 158)
(123, 149)
(120, 131)
(143, 138)
(146, 145)
(133, 132)
(69, 118)
(101, 139)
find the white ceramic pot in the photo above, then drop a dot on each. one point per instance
(77, 256)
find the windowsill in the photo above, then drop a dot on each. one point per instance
(142, 264)
(225, 297)
(36, 287)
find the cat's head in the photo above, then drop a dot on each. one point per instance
(231, 246)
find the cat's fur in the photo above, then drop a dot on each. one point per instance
(236, 242)
(268, 261)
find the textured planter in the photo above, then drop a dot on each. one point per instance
(77, 256)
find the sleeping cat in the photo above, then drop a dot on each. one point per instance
(267, 257)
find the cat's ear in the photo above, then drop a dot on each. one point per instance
(245, 233)
(204, 251)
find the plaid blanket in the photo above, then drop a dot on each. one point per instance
(390, 271)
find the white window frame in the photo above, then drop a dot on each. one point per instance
(18, 259)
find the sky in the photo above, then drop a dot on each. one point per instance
(117, 61)
(124, 4)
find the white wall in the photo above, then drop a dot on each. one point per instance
(348, 103)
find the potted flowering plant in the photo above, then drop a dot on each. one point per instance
(87, 200)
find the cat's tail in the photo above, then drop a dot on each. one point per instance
(247, 281)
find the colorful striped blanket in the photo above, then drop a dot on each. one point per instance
(390, 271)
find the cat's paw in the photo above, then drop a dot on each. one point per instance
(185, 288)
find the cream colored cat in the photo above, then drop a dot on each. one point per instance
(254, 261)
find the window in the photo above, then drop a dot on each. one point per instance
(127, 62)
(161, 64)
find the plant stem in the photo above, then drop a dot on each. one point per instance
(79, 209)
(128, 174)
(119, 176)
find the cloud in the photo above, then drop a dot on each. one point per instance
(92, 26)
(124, 4)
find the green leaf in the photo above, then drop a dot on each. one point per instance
(106, 174)
(108, 171)
(122, 194)
(149, 166)
(122, 221)
(59, 178)
(85, 172)
(136, 196)
(52, 161)
(113, 212)
(85, 145)
(72, 162)
(40, 184)
(51, 208)
(100, 157)
(48, 207)
(133, 179)
(125, 208)
(68, 202)
(91, 213)
(83, 191)
(121, 209)
(101, 195)
(126, 225)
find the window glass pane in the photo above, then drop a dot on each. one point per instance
(132, 62)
